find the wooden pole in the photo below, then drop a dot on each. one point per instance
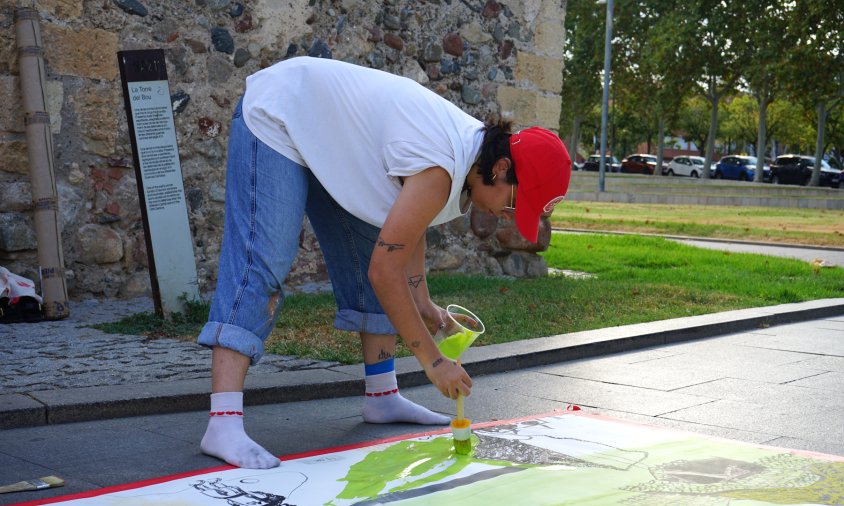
(39, 142)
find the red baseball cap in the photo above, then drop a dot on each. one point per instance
(543, 168)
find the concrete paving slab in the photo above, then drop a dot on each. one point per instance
(294, 414)
(79, 443)
(358, 433)
(642, 375)
(820, 344)
(764, 393)
(17, 410)
(831, 324)
(695, 428)
(822, 363)
(636, 357)
(699, 364)
(822, 324)
(122, 467)
(781, 419)
(606, 395)
(330, 436)
(21, 469)
(188, 427)
(831, 382)
(491, 405)
(827, 447)
(487, 402)
(723, 352)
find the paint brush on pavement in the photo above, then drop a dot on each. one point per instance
(461, 429)
(36, 484)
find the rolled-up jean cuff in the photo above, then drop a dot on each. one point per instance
(371, 323)
(232, 337)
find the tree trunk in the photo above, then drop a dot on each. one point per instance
(816, 172)
(761, 140)
(713, 97)
(575, 139)
(659, 146)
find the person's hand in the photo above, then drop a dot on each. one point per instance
(435, 317)
(449, 377)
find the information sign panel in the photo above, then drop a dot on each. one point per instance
(146, 94)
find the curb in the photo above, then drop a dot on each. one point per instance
(104, 402)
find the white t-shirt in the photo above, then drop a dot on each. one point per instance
(360, 129)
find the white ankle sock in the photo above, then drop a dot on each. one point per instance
(226, 439)
(384, 404)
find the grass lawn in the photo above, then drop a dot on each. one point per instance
(636, 279)
(817, 227)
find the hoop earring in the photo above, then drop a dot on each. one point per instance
(494, 176)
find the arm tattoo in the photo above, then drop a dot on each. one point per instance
(390, 246)
(414, 281)
(437, 362)
(414, 344)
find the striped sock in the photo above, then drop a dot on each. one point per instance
(384, 404)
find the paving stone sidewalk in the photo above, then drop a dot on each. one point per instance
(68, 353)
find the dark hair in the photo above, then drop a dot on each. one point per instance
(496, 144)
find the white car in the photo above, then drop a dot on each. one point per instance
(685, 166)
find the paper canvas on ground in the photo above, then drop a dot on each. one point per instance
(554, 459)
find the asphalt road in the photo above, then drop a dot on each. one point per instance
(829, 256)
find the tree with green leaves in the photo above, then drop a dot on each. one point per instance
(816, 63)
(740, 120)
(714, 37)
(584, 49)
(791, 125)
(693, 121)
(650, 45)
(763, 74)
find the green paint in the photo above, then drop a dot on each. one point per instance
(687, 470)
(828, 487)
(462, 446)
(454, 345)
(402, 466)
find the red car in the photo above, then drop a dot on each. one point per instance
(639, 164)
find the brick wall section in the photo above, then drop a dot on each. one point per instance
(486, 56)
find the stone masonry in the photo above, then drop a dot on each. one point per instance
(489, 57)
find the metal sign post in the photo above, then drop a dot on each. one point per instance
(146, 95)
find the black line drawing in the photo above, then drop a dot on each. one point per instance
(390, 246)
(236, 496)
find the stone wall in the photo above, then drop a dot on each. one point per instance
(486, 56)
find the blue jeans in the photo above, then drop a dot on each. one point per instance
(267, 197)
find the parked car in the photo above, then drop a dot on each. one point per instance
(685, 166)
(739, 167)
(639, 164)
(797, 169)
(611, 163)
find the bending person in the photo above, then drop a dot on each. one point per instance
(373, 160)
